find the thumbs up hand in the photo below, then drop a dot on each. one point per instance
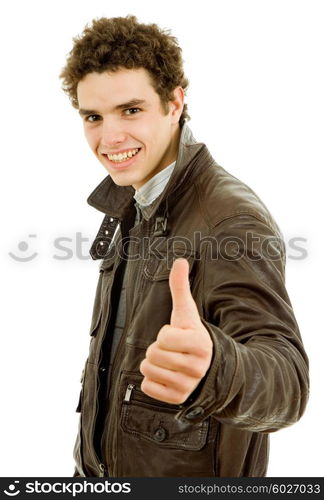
(181, 355)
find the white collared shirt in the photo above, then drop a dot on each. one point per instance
(147, 193)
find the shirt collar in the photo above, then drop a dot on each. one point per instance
(147, 193)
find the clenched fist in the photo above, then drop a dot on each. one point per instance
(181, 355)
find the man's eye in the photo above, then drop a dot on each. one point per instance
(92, 118)
(131, 111)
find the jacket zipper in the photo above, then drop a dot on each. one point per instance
(111, 378)
(99, 464)
(128, 392)
(121, 342)
(132, 392)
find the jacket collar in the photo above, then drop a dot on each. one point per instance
(115, 200)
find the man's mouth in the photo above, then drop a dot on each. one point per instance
(121, 157)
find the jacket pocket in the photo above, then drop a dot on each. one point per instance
(156, 422)
(103, 285)
(79, 406)
(95, 322)
(159, 264)
(101, 305)
(154, 443)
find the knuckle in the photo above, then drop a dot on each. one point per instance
(187, 389)
(182, 397)
(176, 399)
(163, 330)
(145, 386)
(143, 367)
(164, 333)
(182, 389)
(204, 350)
(199, 370)
(195, 369)
(150, 350)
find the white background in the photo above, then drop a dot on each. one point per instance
(256, 100)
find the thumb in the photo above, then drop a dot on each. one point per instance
(184, 309)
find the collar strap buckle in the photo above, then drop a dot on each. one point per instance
(160, 228)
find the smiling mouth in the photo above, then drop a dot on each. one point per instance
(121, 157)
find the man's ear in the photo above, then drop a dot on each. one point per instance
(176, 105)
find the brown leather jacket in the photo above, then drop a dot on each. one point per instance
(258, 379)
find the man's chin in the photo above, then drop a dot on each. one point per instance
(120, 182)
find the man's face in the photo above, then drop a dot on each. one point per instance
(125, 125)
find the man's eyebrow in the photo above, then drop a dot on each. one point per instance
(84, 112)
(129, 104)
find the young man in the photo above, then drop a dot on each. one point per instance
(189, 370)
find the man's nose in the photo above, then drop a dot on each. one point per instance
(112, 133)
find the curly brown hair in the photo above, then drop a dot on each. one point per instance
(123, 42)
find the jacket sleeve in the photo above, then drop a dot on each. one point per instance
(258, 377)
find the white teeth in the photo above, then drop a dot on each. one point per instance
(123, 156)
